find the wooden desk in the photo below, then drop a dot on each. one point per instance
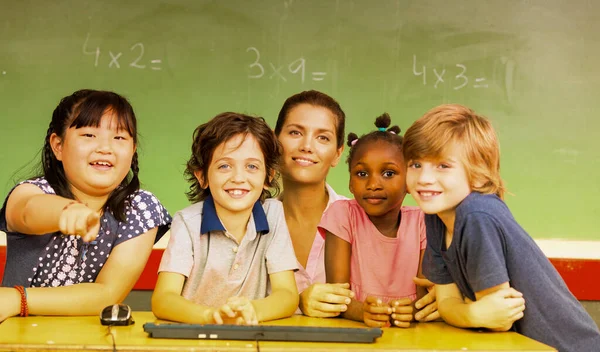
(79, 333)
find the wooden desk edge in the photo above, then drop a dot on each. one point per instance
(86, 333)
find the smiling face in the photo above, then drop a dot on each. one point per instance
(236, 175)
(438, 185)
(308, 137)
(95, 159)
(377, 179)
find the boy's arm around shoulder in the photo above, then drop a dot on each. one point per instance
(495, 308)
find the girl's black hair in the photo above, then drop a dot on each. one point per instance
(81, 109)
(383, 133)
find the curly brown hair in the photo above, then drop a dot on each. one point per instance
(220, 129)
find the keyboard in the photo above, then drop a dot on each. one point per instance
(262, 333)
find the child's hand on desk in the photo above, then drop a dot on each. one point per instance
(375, 313)
(325, 300)
(426, 306)
(402, 312)
(500, 309)
(237, 311)
(11, 303)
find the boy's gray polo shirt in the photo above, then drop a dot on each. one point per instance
(215, 265)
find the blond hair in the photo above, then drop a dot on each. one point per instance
(430, 136)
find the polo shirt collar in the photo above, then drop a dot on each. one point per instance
(211, 222)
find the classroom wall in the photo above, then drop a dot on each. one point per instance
(530, 66)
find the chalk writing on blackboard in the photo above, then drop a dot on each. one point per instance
(134, 58)
(504, 71)
(568, 155)
(458, 76)
(297, 67)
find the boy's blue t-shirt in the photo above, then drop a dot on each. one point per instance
(55, 259)
(489, 248)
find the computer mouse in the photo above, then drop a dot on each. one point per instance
(116, 314)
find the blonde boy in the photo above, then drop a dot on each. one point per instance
(488, 272)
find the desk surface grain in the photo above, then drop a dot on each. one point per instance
(86, 333)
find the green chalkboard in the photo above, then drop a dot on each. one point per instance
(531, 66)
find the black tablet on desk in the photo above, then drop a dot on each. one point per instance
(262, 333)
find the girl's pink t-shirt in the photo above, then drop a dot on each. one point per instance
(380, 266)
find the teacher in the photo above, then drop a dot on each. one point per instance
(310, 127)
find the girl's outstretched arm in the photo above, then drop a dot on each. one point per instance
(283, 300)
(169, 304)
(114, 282)
(31, 211)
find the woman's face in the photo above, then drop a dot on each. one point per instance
(309, 142)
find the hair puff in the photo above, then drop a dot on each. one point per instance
(352, 137)
(383, 121)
